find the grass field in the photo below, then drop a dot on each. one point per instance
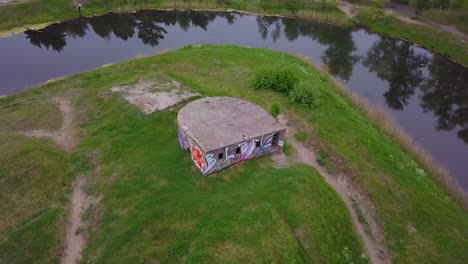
(34, 179)
(157, 207)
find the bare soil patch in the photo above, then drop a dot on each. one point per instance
(279, 160)
(66, 136)
(349, 9)
(6, 2)
(76, 227)
(154, 96)
(359, 206)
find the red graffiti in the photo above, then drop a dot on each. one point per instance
(197, 157)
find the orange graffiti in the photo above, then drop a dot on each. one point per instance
(197, 157)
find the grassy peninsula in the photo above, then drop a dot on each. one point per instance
(156, 207)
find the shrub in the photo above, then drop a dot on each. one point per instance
(280, 80)
(303, 94)
(275, 109)
(322, 158)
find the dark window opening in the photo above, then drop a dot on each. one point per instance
(221, 155)
(274, 141)
(257, 144)
(238, 150)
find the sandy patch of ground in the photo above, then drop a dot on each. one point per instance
(279, 160)
(154, 96)
(76, 227)
(66, 135)
(4, 2)
(357, 204)
(349, 9)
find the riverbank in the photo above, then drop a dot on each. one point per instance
(153, 195)
(438, 41)
(35, 14)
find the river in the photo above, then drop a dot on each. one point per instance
(425, 93)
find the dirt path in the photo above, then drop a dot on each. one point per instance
(66, 135)
(6, 2)
(358, 206)
(405, 14)
(349, 9)
(75, 240)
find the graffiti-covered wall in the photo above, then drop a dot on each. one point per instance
(218, 159)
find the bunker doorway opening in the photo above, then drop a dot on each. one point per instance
(274, 140)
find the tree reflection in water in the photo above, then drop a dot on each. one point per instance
(443, 84)
(395, 61)
(148, 23)
(338, 56)
(445, 93)
(444, 88)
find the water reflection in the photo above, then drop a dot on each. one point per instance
(408, 80)
(397, 62)
(340, 45)
(148, 23)
(445, 93)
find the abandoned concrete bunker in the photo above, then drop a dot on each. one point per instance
(222, 131)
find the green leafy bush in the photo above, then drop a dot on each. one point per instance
(280, 80)
(275, 109)
(322, 158)
(303, 94)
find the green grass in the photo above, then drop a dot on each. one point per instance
(34, 241)
(300, 136)
(34, 179)
(457, 18)
(156, 206)
(438, 41)
(35, 12)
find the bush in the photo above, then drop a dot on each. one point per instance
(275, 109)
(303, 94)
(322, 158)
(280, 80)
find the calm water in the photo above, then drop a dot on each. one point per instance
(425, 93)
